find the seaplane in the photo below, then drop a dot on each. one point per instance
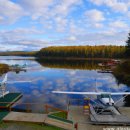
(3, 84)
(17, 66)
(104, 97)
(105, 112)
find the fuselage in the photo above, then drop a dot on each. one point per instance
(106, 99)
(19, 66)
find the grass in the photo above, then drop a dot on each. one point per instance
(3, 114)
(60, 114)
(26, 126)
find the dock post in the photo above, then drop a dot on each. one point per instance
(76, 126)
(68, 105)
(10, 109)
(28, 106)
(46, 108)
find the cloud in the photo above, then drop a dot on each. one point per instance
(72, 38)
(36, 8)
(75, 29)
(10, 12)
(18, 34)
(94, 15)
(118, 25)
(61, 24)
(43, 23)
(117, 6)
(22, 45)
(65, 6)
(102, 38)
(97, 2)
(21, 38)
(120, 7)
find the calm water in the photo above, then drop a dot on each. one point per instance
(47, 76)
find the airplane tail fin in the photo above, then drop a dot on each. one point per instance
(25, 65)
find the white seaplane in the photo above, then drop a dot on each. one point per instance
(17, 66)
(3, 84)
(104, 97)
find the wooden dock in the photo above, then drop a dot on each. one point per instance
(84, 122)
(36, 118)
(25, 117)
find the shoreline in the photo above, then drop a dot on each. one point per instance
(75, 58)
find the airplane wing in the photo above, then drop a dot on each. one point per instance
(92, 93)
(80, 93)
(120, 93)
(11, 82)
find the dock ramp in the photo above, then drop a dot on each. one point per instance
(36, 118)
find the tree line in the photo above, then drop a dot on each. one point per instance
(127, 52)
(83, 51)
(18, 53)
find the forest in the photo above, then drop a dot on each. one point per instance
(73, 52)
(82, 52)
(122, 72)
(18, 53)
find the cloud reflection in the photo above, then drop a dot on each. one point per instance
(44, 82)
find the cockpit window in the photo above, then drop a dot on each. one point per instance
(105, 96)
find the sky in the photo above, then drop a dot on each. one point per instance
(27, 25)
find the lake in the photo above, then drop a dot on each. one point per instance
(49, 75)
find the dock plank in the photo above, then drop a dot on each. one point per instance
(25, 117)
(60, 124)
(36, 118)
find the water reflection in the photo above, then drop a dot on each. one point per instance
(45, 79)
(71, 64)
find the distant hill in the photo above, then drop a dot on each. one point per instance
(18, 53)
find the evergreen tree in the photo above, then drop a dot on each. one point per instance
(128, 46)
(128, 41)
